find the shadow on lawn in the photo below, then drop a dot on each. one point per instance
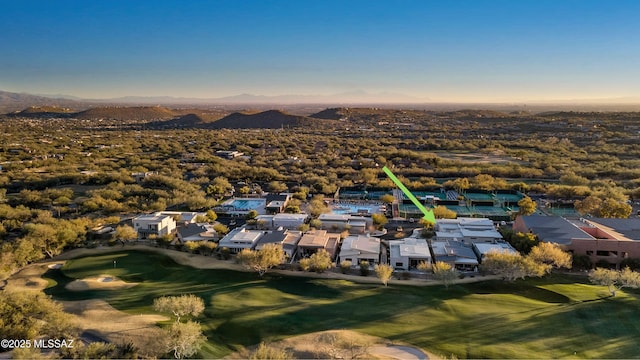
(601, 328)
(301, 286)
(373, 305)
(519, 288)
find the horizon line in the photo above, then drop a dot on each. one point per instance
(273, 99)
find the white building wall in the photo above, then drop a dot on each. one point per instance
(154, 224)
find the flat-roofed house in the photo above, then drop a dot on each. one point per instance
(357, 248)
(406, 254)
(154, 224)
(288, 239)
(271, 237)
(229, 154)
(467, 230)
(314, 240)
(183, 216)
(276, 203)
(355, 224)
(290, 243)
(482, 249)
(196, 232)
(240, 238)
(283, 220)
(456, 254)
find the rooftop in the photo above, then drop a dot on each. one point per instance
(285, 216)
(623, 229)
(361, 243)
(466, 228)
(274, 237)
(553, 229)
(151, 217)
(410, 247)
(485, 248)
(452, 248)
(242, 235)
(314, 239)
(191, 230)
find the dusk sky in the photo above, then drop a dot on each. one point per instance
(455, 51)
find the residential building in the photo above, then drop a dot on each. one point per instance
(283, 220)
(154, 224)
(139, 176)
(276, 203)
(183, 217)
(355, 224)
(406, 254)
(467, 230)
(314, 240)
(456, 253)
(602, 240)
(288, 239)
(290, 243)
(229, 154)
(357, 248)
(196, 232)
(240, 238)
(482, 249)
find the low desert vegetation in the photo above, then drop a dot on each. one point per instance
(69, 175)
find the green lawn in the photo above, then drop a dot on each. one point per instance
(555, 317)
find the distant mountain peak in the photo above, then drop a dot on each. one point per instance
(270, 119)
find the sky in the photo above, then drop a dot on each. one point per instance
(439, 51)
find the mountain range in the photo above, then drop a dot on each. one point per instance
(162, 118)
(352, 97)
(11, 101)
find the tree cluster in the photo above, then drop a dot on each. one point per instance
(511, 266)
(262, 260)
(615, 280)
(319, 262)
(183, 339)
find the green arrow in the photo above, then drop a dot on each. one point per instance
(428, 214)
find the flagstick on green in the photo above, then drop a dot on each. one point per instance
(428, 214)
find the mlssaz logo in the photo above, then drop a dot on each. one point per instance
(52, 343)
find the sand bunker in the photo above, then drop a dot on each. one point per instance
(101, 282)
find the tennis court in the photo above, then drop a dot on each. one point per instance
(479, 196)
(509, 198)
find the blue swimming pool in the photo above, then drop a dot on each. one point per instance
(246, 204)
(357, 209)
